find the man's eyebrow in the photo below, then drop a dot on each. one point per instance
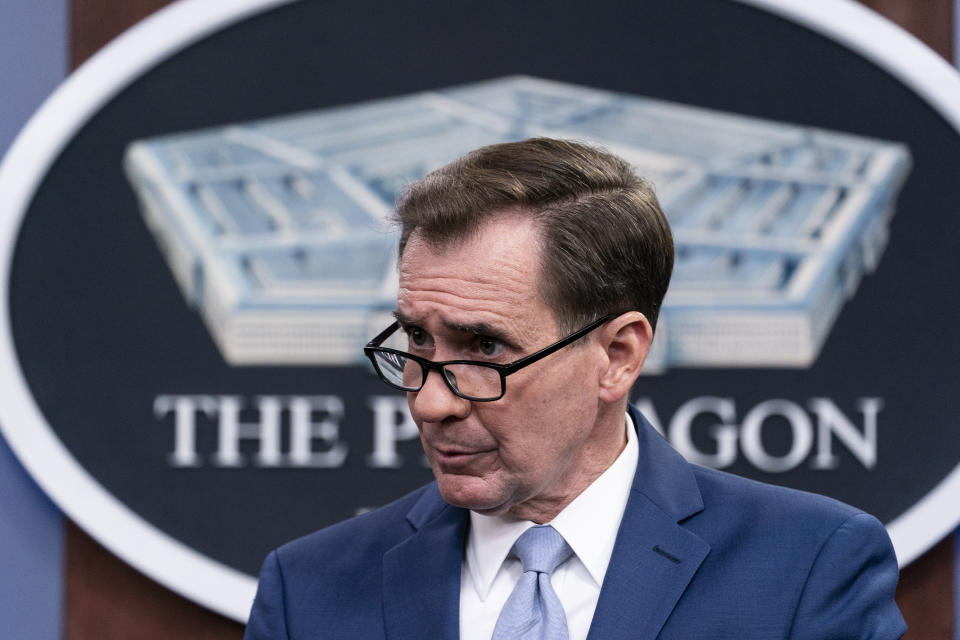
(477, 328)
(405, 320)
(474, 328)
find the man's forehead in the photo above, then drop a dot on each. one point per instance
(501, 248)
(504, 222)
(487, 283)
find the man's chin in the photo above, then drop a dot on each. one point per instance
(470, 492)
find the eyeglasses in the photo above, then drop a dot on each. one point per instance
(470, 379)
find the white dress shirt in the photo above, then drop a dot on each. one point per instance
(589, 524)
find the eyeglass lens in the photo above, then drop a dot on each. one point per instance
(470, 380)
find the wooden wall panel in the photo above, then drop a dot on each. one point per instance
(926, 594)
(108, 600)
(93, 23)
(929, 20)
(105, 599)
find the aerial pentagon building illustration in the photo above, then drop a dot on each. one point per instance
(277, 232)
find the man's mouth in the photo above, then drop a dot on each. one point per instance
(454, 456)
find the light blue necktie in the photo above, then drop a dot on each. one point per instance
(533, 610)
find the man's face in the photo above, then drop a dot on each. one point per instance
(526, 453)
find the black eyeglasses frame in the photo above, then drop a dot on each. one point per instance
(503, 369)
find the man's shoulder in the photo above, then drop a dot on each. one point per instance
(725, 491)
(334, 576)
(797, 551)
(355, 541)
(772, 519)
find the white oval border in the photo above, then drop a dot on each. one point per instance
(170, 30)
(921, 69)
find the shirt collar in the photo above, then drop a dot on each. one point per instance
(589, 524)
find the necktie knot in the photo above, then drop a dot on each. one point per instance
(541, 549)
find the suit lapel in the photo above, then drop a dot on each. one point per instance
(421, 576)
(654, 557)
(651, 566)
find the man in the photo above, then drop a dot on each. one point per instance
(531, 277)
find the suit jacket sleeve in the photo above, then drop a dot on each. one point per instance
(849, 592)
(268, 615)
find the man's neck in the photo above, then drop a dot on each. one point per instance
(595, 458)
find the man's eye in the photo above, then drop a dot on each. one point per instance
(417, 336)
(488, 346)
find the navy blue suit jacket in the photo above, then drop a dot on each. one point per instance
(700, 554)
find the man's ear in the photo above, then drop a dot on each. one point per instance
(626, 340)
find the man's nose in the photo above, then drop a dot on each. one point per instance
(435, 402)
